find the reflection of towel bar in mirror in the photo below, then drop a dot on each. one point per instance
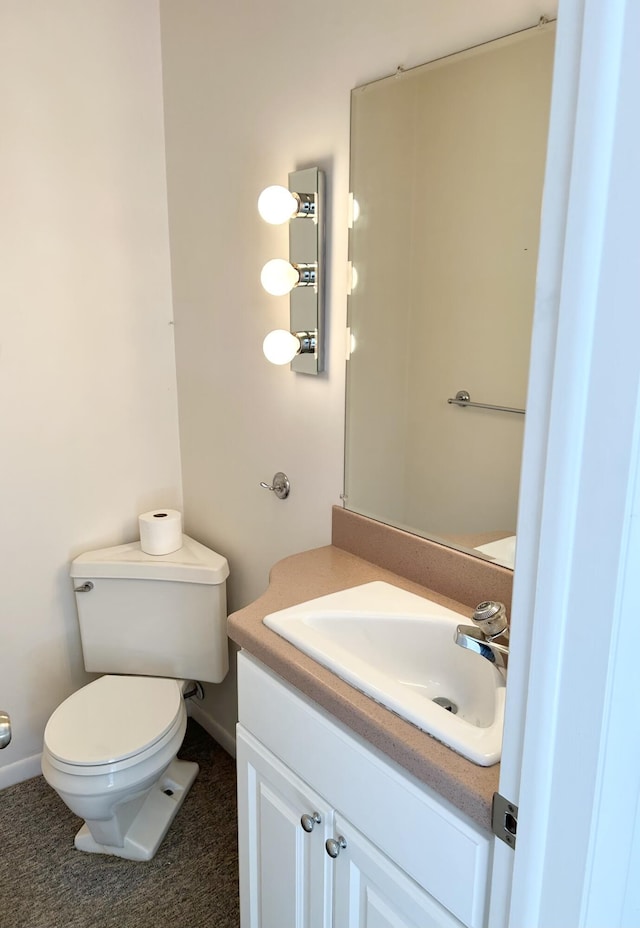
(463, 398)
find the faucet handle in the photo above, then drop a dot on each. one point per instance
(491, 618)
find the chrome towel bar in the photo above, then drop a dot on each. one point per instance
(463, 398)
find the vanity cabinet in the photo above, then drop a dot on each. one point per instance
(334, 835)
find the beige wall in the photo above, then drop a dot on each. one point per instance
(88, 413)
(253, 91)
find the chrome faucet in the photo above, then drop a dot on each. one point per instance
(490, 620)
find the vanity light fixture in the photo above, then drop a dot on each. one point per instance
(301, 205)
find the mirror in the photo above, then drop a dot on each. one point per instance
(447, 169)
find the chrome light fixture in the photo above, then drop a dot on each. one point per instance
(301, 205)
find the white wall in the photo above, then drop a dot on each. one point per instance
(88, 413)
(253, 91)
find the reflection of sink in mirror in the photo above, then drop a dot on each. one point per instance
(502, 551)
(399, 649)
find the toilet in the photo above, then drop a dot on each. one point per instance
(153, 626)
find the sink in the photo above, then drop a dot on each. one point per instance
(399, 649)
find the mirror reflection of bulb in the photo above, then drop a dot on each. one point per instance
(354, 211)
(277, 204)
(281, 346)
(279, 277)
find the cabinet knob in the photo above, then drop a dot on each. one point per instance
(308, 822)
(335, 845)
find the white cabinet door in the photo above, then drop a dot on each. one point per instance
(372, 892)
(285, 873)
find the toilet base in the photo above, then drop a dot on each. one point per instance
(152, 822)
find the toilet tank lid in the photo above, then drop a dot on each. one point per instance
(192, 563)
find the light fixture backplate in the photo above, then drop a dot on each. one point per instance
(306, 246)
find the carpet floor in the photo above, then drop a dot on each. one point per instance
(192, 880)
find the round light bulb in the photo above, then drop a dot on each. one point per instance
(279, 277)
(277, 204)
(280, 346)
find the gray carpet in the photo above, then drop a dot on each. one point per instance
(192, 881)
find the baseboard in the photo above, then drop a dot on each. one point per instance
(21, 770)
(213, 728)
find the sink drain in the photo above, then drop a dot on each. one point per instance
(446, 704)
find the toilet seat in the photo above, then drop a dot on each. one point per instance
(113, 723)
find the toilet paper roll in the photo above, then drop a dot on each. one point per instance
(160, 531)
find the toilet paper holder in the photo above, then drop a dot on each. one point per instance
(280, 486)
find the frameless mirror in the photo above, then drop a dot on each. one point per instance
(447, 168)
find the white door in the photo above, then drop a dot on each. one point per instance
(372, 892)
(576, 589)
(284, 870)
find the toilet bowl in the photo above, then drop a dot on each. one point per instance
(110, 753)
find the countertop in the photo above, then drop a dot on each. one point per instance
(325, 570)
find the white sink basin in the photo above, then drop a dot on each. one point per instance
(399, 649)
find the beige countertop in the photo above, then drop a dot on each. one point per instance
(325, 570)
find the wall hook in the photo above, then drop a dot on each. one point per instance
(280, 485)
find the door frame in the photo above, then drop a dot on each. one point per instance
(570, 760)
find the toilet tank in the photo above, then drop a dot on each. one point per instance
(155, 615)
